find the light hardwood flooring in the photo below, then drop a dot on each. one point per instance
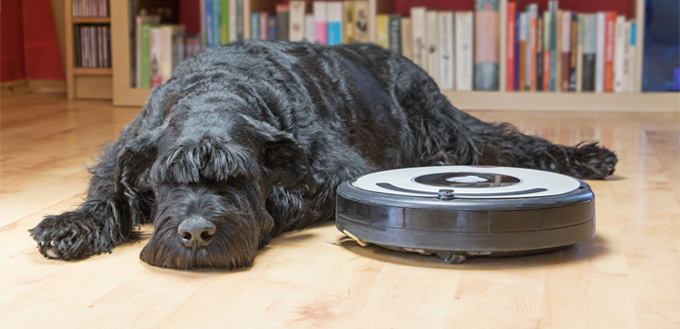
(628, 276)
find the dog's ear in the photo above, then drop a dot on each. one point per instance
(133, 164)
(287, 163)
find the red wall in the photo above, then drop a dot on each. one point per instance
(30, 48)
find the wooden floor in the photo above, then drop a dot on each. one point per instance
(628, 276)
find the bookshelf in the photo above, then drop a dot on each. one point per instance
(84, 82)
(637, 101)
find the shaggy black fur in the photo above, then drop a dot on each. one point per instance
(253, 138)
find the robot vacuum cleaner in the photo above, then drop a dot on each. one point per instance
(456, 212)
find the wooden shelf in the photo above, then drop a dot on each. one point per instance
(91, 20)
(92, 71)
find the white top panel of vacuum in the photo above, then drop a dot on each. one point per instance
(467, 182)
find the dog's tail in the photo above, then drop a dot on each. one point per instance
(503, 145)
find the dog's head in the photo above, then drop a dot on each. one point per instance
(210, 196)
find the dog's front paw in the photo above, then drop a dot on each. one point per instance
(69, 236)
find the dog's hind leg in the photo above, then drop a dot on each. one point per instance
(116, 203)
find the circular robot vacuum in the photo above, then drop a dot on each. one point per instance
(456, 212)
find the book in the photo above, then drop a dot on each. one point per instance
(382, 26)
(348, 22)
(298, 11)
(532, 10)
(446, 50)
(558, 50)
(599, 53)
(216, 21)
(240, 33)
(320, 22)
(510, 48)
(232, 20)
(334, 25)
(155, 55)
(589, 52)
(523, 35)
(432, 44)
(169, 54)
(579, 52)
(538, 55)
(609, 39)
(208, 27)
(224, 21)
(407, 38)
(464, 49)
(546, 51)
(486, 68)
(361, 14)
(566, 48)
(263, 25)
(632, 77)
(573, 54)
(254, 26)
(419, 41)
(620, 55)
(309, 28)
(272, 24)
(282, 22)
(394, 33)
(139, 22)
(552, 7)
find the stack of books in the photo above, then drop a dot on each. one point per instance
(92, 46)
(90, 8)
(562, 50)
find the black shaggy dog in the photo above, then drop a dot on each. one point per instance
(249, 140)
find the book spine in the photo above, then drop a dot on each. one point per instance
(216, 21)
(224, 21)
(334, 26)
(145, 57)
(464, 46)
(361, 14)
(589, 52)
(165, 53)
(232, 21)
(209, 33)
(446, 59)
(282, 21)
(309, 28)
(538, 85)
(432, 44)
(599, 55)
(573, 55)
(204, 23)
(395, 33)
(254, 26)
(407, 38)
(546, 51)
(609, 40)
(348, 22)
(320, 23)
(579, 52)
(272, 33)
(510, 48)
(566, 48)
(239, 20)
(486, 41)
(558, 50)
(531, 60)
(524, 33)
(631, 57)
(553, 44)
(518, 33)
(263, 25)
(298, 10)
(419, 41)
(155, 56)
(620, 54)
(382, 23)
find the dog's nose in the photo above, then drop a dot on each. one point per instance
(196, 232)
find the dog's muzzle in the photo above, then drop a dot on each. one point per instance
(196, 232)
